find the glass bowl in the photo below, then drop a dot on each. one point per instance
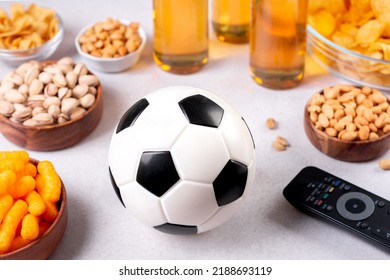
(349, 65)
(17, 57)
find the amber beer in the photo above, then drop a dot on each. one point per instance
(180, 35)
(278, 42)
(230, 20)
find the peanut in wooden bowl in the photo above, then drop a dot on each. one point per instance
(352, 151)
(57, 136)
(44, 246)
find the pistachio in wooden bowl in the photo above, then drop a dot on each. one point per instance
(49, 105)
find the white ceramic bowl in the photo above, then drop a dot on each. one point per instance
(17, 57)
(111, 65)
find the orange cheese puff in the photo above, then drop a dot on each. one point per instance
(14, 161)
(51, 190)
(6, 202)
(10, 223)
(43, 227)
(30, 227)
(28, 169)
(51, 211)
(18, 243)
(36, 205)
(39, 183)
(22, 187)
(7, 179)
(12, 155)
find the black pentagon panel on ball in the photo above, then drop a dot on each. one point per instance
(157, 172)
(230, 183)
(200, 110)
(177, 229)
(131, 115)
(115, 186)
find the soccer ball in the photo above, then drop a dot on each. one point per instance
(182, 160)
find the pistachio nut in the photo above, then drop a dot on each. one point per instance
(6, 108)
(80, 90)
(87, 100)
(89, 80)
(68, 105)
(36, 87)
(59, 80)
(14, 96)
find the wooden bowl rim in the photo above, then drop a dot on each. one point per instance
(54, 126)
(50, 229)
(338, 140)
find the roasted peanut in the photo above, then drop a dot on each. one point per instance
(350, 113)
(270, 123)
(110, 38)
(384, 164)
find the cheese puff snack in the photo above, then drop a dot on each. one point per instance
(11, 221)
(29, 197)
(50, 189)
(14, 161)
(7, 179)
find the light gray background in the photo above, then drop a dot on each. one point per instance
(267, 227)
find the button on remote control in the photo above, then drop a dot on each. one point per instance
(355, 206)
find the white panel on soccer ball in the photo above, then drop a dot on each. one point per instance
(199, 154)
(123, 156)
(239, 143)
(143, 204)
(221, 216)
(251, 177)
(172, 94)
(189, 203)
(159, 126)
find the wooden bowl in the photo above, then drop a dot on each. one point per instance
(353, 151)
(43, 247)
(54, 137)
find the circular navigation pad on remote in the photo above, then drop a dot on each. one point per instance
(355, 206)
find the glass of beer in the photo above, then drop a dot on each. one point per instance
(230, 20)
(278, 42)
(180, 35)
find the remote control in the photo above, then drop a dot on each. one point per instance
(321, 194)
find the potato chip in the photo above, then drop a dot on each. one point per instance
(343, 39)
(25, 29)
(381, 10)
(384, 48)
(323, 21)
(332, 6)
(349, 29)
(360, 5)
(370, 32)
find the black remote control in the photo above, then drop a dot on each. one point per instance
(321, 194)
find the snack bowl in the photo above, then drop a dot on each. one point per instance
(111, 65)
(345, 150)
(44, 246)
(347, 64)
(16, 57)
(55, 136)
